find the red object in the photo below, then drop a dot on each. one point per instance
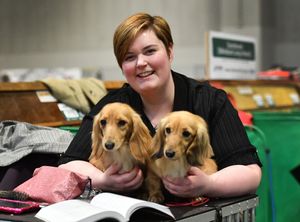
(53, 184)
(246, 117)
(196, 202)
(17, 206)
(275, 74)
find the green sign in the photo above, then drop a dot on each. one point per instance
(226, 48)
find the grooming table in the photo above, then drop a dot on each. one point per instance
(220, 210)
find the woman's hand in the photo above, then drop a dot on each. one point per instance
(112, 180)
(233, 180)
(109, 180)
(193, 185)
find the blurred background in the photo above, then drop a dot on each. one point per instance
(78, 33)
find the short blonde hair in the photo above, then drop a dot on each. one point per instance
(128, 30)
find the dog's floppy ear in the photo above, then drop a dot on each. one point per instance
(158, 141)
(200, 149)
(140, 139)
(97, 135)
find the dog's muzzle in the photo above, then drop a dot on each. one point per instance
(170, 154)
(109, 145)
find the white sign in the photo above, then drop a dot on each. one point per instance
(45, 96)
(230, 56)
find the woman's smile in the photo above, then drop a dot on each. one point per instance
(145, 74)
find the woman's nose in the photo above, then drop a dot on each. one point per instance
(141, 60)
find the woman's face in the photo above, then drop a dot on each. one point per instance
(147, 64)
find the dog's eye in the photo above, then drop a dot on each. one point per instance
(121, 123)
(103, 122)
(186, 134)
(168, 130)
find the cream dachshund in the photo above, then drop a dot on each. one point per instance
(119, 136)
(181, 141)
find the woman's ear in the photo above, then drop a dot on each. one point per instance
(97, 136)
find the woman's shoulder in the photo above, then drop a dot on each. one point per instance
(197, 86)
(123, 94)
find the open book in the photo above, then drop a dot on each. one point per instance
(102, 206)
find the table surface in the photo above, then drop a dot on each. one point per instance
(205, 212)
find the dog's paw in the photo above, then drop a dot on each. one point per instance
(158, 198)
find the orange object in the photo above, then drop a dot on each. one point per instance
(275, 73)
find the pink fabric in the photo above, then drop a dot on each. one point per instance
(53, 184)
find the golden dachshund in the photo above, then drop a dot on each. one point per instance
(181, 141)
(119, 136)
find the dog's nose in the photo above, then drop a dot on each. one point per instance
(109, 145)
(170, 153)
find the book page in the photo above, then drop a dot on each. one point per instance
(75, 211)
(126, 205)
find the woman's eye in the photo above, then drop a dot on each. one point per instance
(129, 58)
(150, 51)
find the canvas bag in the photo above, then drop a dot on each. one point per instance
(52, 184)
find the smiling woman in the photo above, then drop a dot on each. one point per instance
(147, 68)
(143, 47)
(147, 60)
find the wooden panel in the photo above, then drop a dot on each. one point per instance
(21, 86)
(25, 106)
(280, 91)
(34, 86)
(19, 101)
(280, 95)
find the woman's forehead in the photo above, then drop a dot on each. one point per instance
(145, 39)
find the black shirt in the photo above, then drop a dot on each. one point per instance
(228, 137)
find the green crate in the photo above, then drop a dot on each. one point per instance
(263, 210)
(72, 129)
(282, 133)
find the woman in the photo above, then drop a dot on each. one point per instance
(143, 47)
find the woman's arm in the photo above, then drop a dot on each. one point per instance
(109, 180)
(233, 180)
